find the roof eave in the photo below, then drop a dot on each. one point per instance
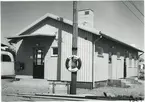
(108, 37)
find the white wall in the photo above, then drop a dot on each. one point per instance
(84, 52)
(132, 67)
(117, 67)
(101, 67)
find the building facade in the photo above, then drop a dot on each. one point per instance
(43, 47)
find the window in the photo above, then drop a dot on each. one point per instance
(5, 58)
(125, 53)
(135, 58)
(118, 55)
(100, 51)
(130, 56)
(110, 57)
(86, 12)
(54, 51)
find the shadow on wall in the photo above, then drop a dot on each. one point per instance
(25, 53)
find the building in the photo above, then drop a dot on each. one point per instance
(43, 47)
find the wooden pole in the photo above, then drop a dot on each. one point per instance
(74, 46)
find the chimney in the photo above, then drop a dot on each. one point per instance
(86, 17)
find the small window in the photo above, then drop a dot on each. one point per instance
(118, 54)
(110, 57)
(100, 51)
(86, 12)
(135, 58)
(5, 58)
(54, 51)
(130, 56)
(125, 53)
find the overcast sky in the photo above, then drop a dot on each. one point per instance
(111, 17)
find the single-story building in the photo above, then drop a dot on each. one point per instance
(43, 47)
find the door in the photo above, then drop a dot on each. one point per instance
(38, 62)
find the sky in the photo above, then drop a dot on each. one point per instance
(110, 17)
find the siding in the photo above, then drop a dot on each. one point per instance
(25, 53)
(117, 67)
(132, 69)
(101, 67)
(84, 52)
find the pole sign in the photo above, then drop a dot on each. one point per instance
(73, 63)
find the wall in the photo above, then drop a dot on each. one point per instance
(116, 68)
(132, 67)
(101, 67)
(25, 55)
(51, 70)
(84, 52)
(24, 49)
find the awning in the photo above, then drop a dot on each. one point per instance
(26, 36)
(15, 39)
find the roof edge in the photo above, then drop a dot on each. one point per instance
(108, 37)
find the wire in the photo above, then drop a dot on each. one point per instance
(132, 11)
(136, 7)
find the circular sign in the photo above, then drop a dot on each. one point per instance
(73, 63)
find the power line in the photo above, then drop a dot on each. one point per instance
(132, 12)
(136, 7)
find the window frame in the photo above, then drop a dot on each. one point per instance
(10, 60)
(52, 54)
(87, 12)
(118, 56)
(100, 51)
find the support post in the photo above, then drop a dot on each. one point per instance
(74, 46)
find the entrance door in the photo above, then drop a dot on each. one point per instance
(38, 62)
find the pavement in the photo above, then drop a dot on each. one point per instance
(36, 90)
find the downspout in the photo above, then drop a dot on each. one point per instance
(93, 66)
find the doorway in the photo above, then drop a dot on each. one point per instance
(38, 62)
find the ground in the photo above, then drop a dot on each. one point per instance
(13, 87)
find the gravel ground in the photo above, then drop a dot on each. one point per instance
(9, 87)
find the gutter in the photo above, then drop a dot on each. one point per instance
(93, 59)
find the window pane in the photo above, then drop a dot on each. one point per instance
(118, 54)
(86, 12)
(55, 51)
(5, 58)
(100, 50)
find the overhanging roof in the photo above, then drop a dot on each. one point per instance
(26, 36)
(113, 39)
(85, 28)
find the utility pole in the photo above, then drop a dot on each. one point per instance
(74, 46)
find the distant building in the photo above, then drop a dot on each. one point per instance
(44, 46)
